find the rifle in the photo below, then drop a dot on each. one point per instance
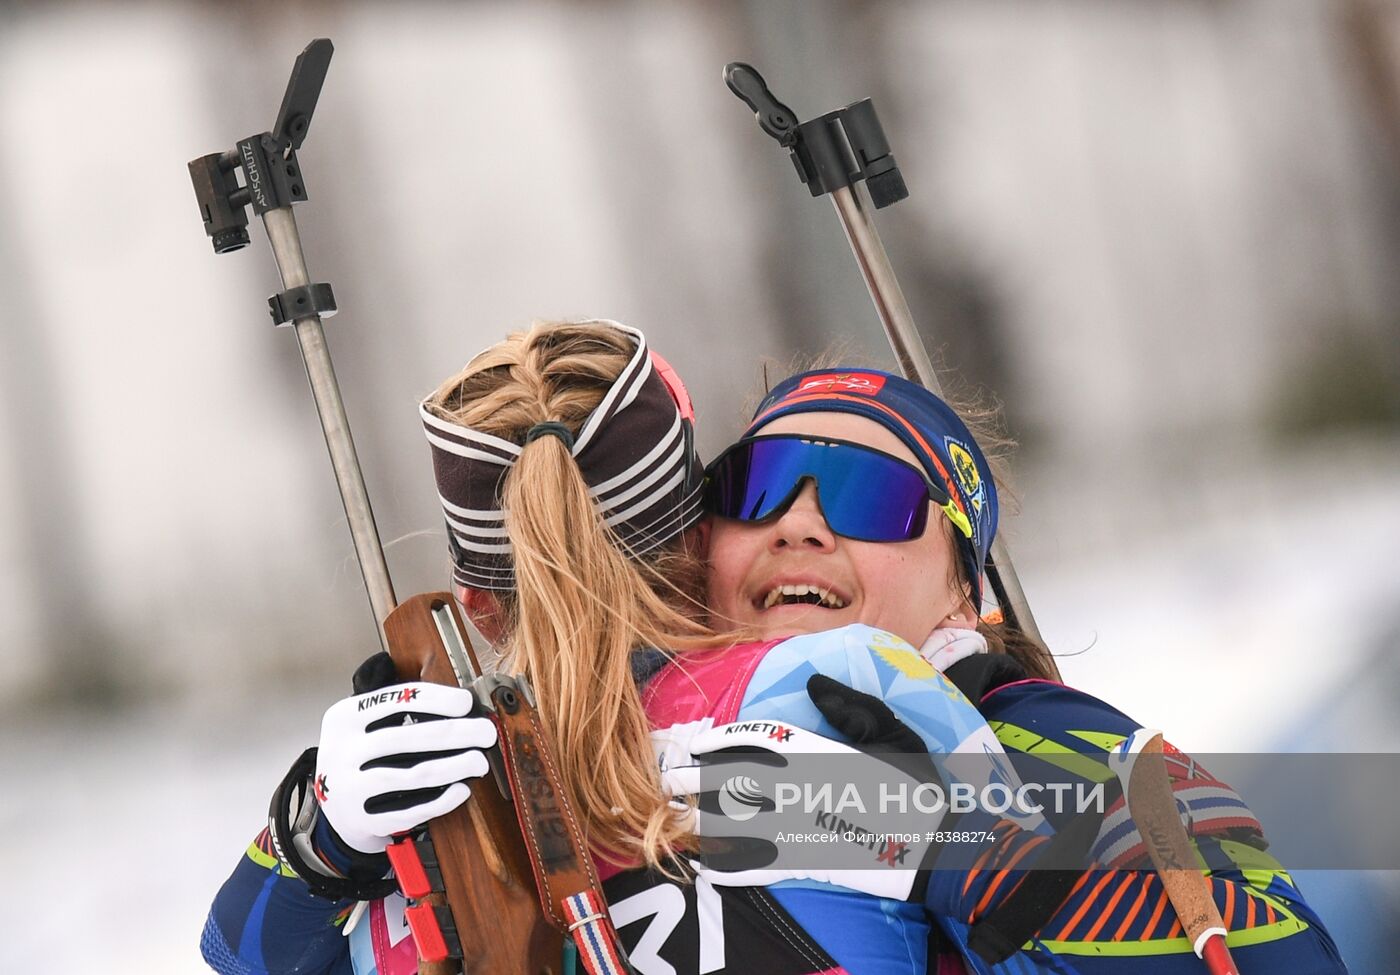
(845, 154)
(509, 867)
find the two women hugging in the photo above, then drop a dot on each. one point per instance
(824, 574)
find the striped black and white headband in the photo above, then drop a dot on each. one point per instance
(636, 452)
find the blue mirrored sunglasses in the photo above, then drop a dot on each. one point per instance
(864, 494)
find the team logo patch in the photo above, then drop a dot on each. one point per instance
(965, 468)
(863, 383)
(969, 479)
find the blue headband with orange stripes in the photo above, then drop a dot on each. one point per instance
(925, 424)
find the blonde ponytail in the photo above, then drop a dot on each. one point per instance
(581, 605)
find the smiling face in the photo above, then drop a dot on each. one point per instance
(793, 574)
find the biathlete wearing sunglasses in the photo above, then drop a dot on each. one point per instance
(865, 494)
(1114, 919)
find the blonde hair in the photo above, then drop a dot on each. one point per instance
(581, 603)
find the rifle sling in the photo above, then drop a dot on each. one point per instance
(569, 890)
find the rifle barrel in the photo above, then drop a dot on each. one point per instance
(916, 366)
(286, 248)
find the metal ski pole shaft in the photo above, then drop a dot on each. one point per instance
(834, 153)
(914, 363)
(879, 278)
(273, 181)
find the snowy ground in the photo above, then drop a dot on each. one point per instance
(117, 828)
(122, 826)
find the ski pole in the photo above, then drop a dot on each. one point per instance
(273, 181)
(834, 154)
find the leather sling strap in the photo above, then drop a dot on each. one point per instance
(569, 890)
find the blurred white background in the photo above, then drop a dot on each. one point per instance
(1161, 234)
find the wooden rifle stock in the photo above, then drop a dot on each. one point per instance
(489, 885)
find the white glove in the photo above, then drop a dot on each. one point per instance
(392, 759)
(894, 877)
(681, 777)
